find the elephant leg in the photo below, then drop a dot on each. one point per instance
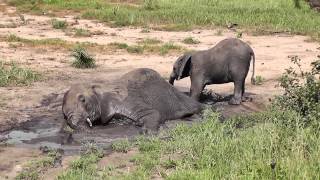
(237, 96)
(197, 86)
(151, 122)
(144, 116)
(244, 99)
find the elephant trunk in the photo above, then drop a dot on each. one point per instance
(172, 78)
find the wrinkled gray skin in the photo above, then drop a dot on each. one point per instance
(228, 61)
(315, 4)
(141, 95)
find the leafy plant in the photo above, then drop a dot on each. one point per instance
(82, 58)
(302, 90)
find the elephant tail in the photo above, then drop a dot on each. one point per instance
(253, 80)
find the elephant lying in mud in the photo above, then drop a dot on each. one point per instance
(228, 61)
(141, 95)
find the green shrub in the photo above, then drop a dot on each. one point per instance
(82, 58)
(301, 91)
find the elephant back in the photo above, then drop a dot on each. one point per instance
(140, 75)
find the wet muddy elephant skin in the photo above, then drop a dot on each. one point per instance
(141, 95)
(228, 61)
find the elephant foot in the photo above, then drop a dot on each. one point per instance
(234, 101)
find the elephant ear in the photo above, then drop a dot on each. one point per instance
(184, 66)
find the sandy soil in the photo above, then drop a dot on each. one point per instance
(16, 103)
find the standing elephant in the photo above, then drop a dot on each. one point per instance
(141, 95)
(228, 61)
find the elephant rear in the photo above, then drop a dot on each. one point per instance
(171, 103)
(156, 92)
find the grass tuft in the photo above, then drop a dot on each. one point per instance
(190, 40)
(167, 47)
(57, 24)
(82, 58)
(82, 33)
(86, 166)
(34, 169)
(259, 80)
(149, 41)
(149, 46)
(121, 146)
(13, 75)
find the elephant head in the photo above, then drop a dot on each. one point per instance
(181, 68)
(81, 105)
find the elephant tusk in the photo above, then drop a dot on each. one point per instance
(89, 122)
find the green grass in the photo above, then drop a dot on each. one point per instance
(54, 43)
(82, 33)
(57, 24)
(82, 59)
(167, 47)
(242, 148)
(35, 168)
(258, 15)
(149, 46)
(259, 80)
(84, 167)
(121, 146)
(149, 41)
(190, 40)
(13, 75)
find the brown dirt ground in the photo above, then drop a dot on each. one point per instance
(272, 54)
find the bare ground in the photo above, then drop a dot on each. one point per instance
(272, 54)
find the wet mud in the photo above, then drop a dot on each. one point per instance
(46, 125)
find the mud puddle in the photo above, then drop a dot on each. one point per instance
(47, 133)
(46, 130)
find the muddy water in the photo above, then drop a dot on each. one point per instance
(46, 129)
(43, 132)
